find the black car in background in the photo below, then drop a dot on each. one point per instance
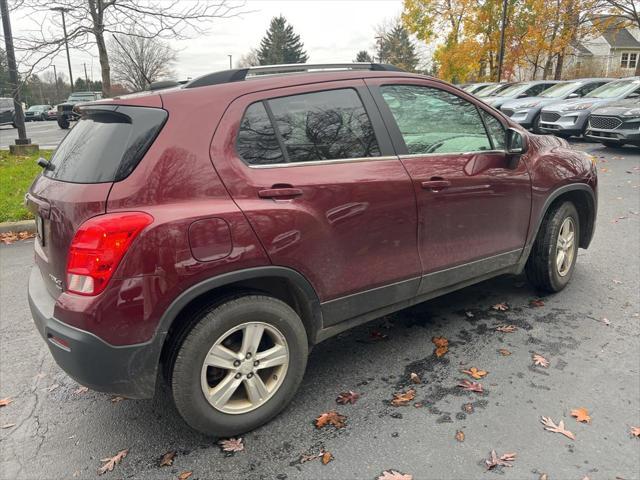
(7, 112)
(616, 124)
(66, 112)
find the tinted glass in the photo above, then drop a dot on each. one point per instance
(324, 126)
(106, 144)
(257, 143)
(513, 90)
(435, 121)
(496, 131)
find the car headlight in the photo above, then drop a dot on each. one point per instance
(634, 112)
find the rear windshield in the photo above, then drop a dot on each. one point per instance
(106, 144)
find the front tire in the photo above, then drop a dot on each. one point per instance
(239, 365)
(63, 123)
(553, 258)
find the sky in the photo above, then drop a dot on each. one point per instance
(332, 31)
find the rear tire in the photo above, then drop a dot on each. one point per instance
(553, 258)
(218, 336)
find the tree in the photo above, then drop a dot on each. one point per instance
(363, 56)
(249, 59)
(89, 21)
(5, 88)
(629, 12)
(281, 44)
(395, 47)
(137, 61)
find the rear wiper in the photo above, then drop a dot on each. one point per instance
(45, 164)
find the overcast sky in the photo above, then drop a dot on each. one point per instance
(332, 31)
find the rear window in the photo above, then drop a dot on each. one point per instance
(6, 103)
(106, 144)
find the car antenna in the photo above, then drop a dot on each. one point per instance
(146, 79)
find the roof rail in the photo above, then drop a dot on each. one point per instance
(239, 74)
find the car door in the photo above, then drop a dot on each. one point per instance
(473, 206)
(315, 173)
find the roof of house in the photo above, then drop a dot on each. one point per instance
(612, 32)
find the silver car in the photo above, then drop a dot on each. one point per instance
(569, 117)
(526, 111)
(519, 90)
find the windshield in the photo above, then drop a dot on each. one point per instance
(560, 90)
(494, 89)
(35, 108)
(614, 89)
(514, 90)
(81, 96)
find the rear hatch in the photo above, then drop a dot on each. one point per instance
(104, 147)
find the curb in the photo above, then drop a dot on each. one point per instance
(22, 226)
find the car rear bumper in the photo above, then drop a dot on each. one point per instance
(130, 370)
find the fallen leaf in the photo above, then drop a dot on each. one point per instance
(167, 459)
(377, 335)
(460, 436)
(442, 345)
(326, 457)
(111, 462)
(418, 405)
(544, 476)
(504, 352)
(552, 427)
(348, 397)
(10, 237)
(475, 373)
(506, 328)
(330, 418)
(606, 321)
(401, 399)
(469, 314)
(581, 414)
(5, 401)
(471, 386)
(617, 282)
(635, 432)
(501, 307)
(184, 475)
(502, 461)
(394, 475)
(468, 407)
(81, 390)
(8, 425)
(231, 445)
(536, 303)
(540, 361)
(117, 399)
(415, 378)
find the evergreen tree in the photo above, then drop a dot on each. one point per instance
(363, 56)
(281, 44)
(396, 47)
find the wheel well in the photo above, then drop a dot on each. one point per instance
(274, 286)
(585, 206)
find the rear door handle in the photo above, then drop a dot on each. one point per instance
(436, 184)
(285, 192)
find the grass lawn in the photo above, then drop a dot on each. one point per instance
(16, 175)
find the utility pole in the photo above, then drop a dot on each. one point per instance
(63, 10)
(86, 77)
(55, 74)
(23, 144)
(505, 5)
(230, 63)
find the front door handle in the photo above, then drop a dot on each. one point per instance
(436, 184)
(284, 192)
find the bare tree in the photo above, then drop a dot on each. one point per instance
(249, 59)
(137, 61)
(628, 11)
(89, 21)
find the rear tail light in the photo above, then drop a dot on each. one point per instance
(97, 248)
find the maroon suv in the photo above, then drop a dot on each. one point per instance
(215, 231)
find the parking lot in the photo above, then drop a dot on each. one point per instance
(590, 334)
(46, 134)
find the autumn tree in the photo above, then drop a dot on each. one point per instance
(89, 22)
(363, 56)
(137, 61)
(281, 44)
(395, 46)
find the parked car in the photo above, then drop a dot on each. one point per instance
(526, 111)
(616, 124)
(36, 112)
(7, 112)
(494, 89)
(476, 88)
(52, 114)
(216, 231)
(66, 111)
(518, 90)
(569, 117)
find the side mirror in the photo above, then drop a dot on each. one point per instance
(516, 146)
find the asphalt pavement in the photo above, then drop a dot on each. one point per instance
(590, 333)
(46, 134)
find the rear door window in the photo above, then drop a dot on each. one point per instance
(106, 144)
